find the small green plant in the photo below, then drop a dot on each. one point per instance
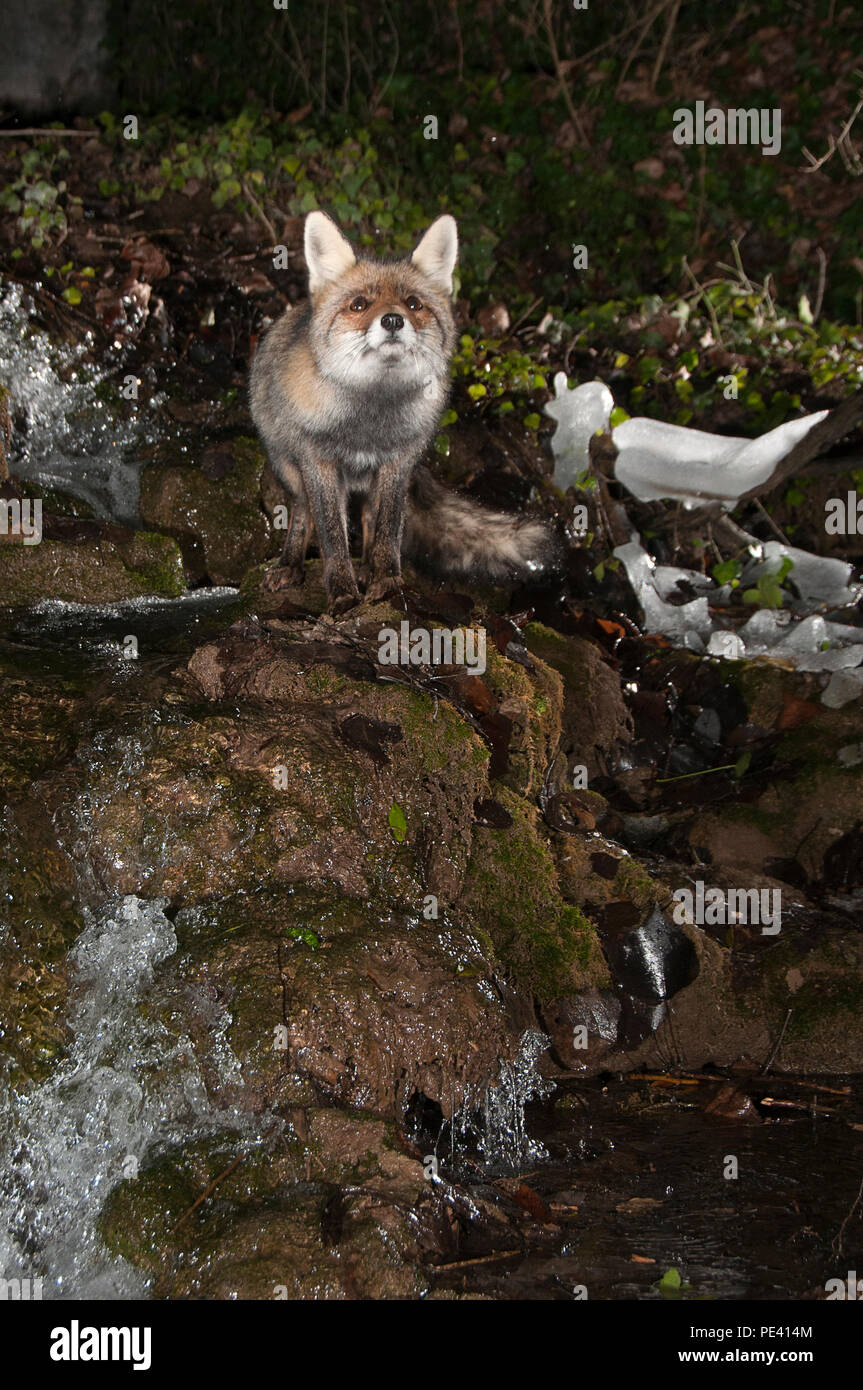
(728, 572)
(36, 199)
(768, 592)
(672, 1286)
(304, 934)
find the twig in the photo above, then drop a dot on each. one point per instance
(770, 522)
(636, 48)
(770, 1060)
(61, 134)
(395, 63)
(618, 35)
(717, 331)
(213, 1185)
(663, 47)
(527, 313)
(480, 1259)
(850, 158)
(559, 73)
(840, 1234)
(260, 211)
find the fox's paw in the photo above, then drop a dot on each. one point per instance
(385, 587)
(283, 577)
(343, 603)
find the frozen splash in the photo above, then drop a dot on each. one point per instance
(125, 1086)
(656, 461)
(67, 436)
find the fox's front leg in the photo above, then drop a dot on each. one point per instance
(328, 501)
(291, 565)
(383, 524)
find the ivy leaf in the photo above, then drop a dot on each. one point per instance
(398, 824)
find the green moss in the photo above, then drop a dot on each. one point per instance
(632, 881)
(822, 1001)
(99, 571)
(322, 680)
(155, 564)
(747, 813)
(437, 732)
(561, 654)
(513, 892)
(41, 920)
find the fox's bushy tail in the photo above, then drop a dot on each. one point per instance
(458, 537)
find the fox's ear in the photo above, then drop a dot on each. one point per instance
(328, 254)
(436, 254)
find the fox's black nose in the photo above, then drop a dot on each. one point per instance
(392, 323)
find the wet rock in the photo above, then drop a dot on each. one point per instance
(805, 990)
(583, 1028)
(652, 961)
(262, 797)
(512, 891)
(332, 1209)
(214, 511)
(343, 1000)
(730, 1103)
(531, 703)
(595, 721)
(40, 921)
(112, 564)
(811, 800)
(5, 433)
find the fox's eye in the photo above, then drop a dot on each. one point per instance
(357, 305)
(413, 303)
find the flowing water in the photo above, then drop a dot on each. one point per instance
(70, 432)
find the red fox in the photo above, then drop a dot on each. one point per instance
(346, 392)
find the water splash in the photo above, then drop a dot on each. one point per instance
(504, 1141)
(497, 1127)
(67, 436)
(127, 1085)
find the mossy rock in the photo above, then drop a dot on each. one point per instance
(594, 872)
(325, 992)
(533, 702)
(594, 717)
(217, 516)
(101, 571)
(513, 893)
(340, 1213)
(41, 921)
